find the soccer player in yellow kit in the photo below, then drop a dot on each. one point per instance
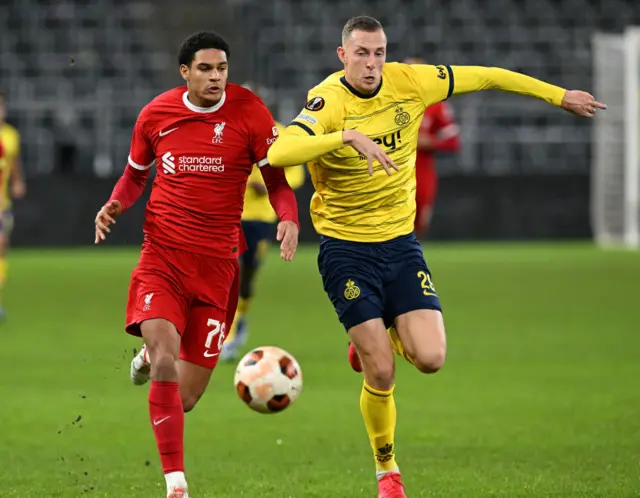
(10, 175)
(258, 222)
(371, 264)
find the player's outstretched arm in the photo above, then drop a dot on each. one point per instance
(125, 193)
(476, 78)
(284, 203)
(296, 146)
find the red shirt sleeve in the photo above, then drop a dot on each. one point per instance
(141, 157)
(263, 134)
(141, 153)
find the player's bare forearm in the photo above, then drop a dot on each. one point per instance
(18, 184)
(281, 195)
(129, 187)
(17, 171)
(292, 149)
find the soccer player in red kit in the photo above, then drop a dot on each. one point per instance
(438, 133)
(204, 139)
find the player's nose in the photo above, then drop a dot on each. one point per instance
(371, 61)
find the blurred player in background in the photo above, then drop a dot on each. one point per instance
(12, 185)
(438, 133)
(258, 225)
(371, 262)
(183, 293)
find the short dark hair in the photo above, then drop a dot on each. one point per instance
(360, 23)
(200, 41)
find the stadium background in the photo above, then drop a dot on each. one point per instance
(77, 73)
(539, 396)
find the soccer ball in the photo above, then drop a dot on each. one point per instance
(268, 379)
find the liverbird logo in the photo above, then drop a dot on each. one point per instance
(147, 301)
(218, 128)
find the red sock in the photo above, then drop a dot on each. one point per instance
(167, 420)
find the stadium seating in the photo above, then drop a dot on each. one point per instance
(73, 69)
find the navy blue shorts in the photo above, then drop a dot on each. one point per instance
(367, 280)
(258, 235)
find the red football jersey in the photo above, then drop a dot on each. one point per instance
(203, 159)
(439, 126)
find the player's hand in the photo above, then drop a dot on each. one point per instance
(368, 148)
(105, 217)
(288, 237)
(581, 103)
(18, 189)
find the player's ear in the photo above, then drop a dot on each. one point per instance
(184, 72)
(341, 53)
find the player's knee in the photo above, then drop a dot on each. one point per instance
(163, 368)
(380, 374)
(429, 360)
(163, 345)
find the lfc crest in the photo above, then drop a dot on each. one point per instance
(218, 128)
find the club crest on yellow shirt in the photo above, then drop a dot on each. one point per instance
(351, 291)
(403, 118)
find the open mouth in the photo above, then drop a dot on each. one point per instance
(370, 79)
(213, 89)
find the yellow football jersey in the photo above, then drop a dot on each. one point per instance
(10, 139)
(348, 203)
(256, 205)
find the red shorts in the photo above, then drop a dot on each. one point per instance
(198, 294)
(426, 192)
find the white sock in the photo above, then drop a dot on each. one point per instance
(381, 473)
(175, 480)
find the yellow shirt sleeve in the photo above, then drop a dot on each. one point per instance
(321, 114)
(10, 141)
(434, 82)
(313, 132)
(295, 176)
(440, 82)
(296, 146)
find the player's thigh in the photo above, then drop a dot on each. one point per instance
(412, 302)
(157, 313)
(352, 279)
(155, 292)
(207, 321)
(200, 350)
(372, 343)
(423, 338)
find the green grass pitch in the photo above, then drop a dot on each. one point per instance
(540, 395)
